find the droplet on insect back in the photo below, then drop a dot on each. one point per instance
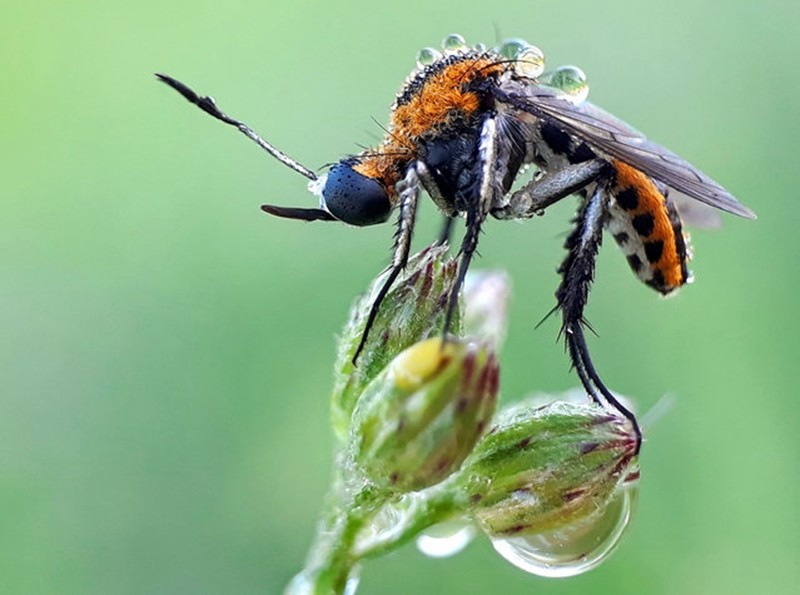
(571, 80)
(427, 56)
(530, 62)
(454, 43)
(573, 549)
(510, 48)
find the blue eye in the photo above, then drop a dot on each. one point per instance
(354, 198)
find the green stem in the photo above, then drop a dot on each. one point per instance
(423, 509)
(335, 552)
(331, 560)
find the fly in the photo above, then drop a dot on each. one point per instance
(466, 123)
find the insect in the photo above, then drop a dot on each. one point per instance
(466, 123)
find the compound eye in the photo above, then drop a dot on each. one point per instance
(354, 198)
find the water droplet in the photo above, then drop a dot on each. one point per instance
(446, 539)
(306, 583)
(574, 549)
(510, 48)
(530, 62)
(352, 581)
(571, 80)
(387, 523)
(454, 43)
(428, 56)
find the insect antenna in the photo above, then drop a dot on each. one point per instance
(208, 105)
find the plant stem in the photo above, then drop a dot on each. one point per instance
(331, 561)
(429, 507)
(336, 550)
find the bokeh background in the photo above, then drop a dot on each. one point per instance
(166, 351)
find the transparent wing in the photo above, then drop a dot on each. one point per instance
(612, 137)
(695, 213)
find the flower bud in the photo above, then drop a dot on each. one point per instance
(418, 420)
(413, 310)
(540, 470)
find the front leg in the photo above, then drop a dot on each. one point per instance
(538, 194)
(409, 189)
(488, 188)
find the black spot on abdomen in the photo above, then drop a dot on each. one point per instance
(644, 224)
(635, 263)
(628, 199)
(659, 283)
(621, 237)
(654, 250)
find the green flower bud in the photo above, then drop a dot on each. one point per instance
(540, 470)
(413, 310)
(419, 419)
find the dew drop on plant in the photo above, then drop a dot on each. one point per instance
(446, 539)
(306, 583)
(352, 581)
(574, 549)
(387, 523)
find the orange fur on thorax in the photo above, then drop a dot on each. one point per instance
(441, 98)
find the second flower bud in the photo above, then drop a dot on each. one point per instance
(418, 420)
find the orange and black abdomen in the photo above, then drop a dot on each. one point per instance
(647, 227)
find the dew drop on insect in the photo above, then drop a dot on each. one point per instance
(454, 43)
(530, 62)
(510, 48)
(446, 539)
(574, 549)
(427, 56)
(571, 80)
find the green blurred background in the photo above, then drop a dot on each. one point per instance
(167, 349)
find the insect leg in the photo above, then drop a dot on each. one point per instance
(577, 273)
(409, 188)
(446, 230)
(488, 189)
(540, 193)
(445, 206)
